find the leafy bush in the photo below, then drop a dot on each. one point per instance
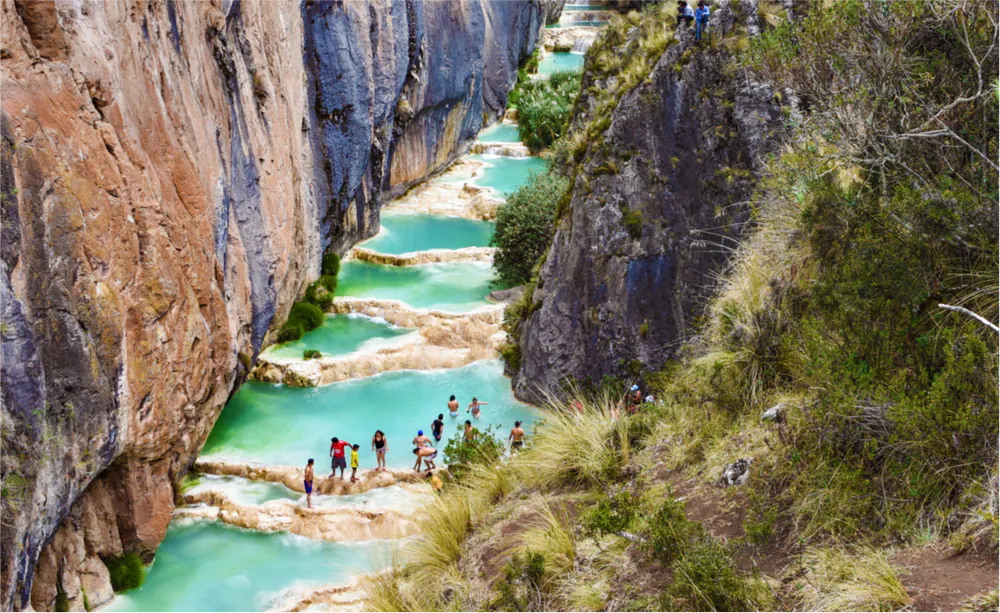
(525, 226)
(485, 448)
(519, 589)
(668, 531)
(706, 579)
(303, 317)
(331, 264)
(311, 354)
(613, 513)
(544, 107)
(127, 571)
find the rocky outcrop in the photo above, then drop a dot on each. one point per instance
(653, 208)
(172, 173)
(430, 256)
(552, 10)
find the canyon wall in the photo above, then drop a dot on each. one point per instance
(171, 174)
(657, 204)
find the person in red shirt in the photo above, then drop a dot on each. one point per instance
(337, 453)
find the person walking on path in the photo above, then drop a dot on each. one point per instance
(474, 406)
(452, 406)
(701, 19)
(308, 482)
(380, 446)
(437, 427)
(420, 442)
(337, 455)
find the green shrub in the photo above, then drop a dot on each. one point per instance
(127, 571)
(668, 530)
(62, 600)
(290, 332)
(633, 222)
(306, 314)
(760, 519)
(311, 354)
(320, 293)
(485, 448)
(524, 227)
(520, 586)
(613, 513)
(706, 579)
(544, 107)
(331, 264)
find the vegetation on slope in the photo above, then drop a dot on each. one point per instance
(883, 207)
(308, 313)
(543, 107)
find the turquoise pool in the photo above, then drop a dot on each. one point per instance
(404, 233)
(209, 566)
(554, 62)
(506, 174)
(450, 286)
(339, 335)
(500, 132)
(274, 424)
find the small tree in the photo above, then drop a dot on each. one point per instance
(525, 226)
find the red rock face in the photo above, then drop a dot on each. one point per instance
(168, 190)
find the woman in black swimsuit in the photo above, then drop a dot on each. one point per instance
(380, 446)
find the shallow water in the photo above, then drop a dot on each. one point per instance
(500, 132)
(457, 287)
(506, 174)
(275, 424)
(247, 492)
(569, 23)
(339, 335)
(209, 566)
(404, 233)
(554, 62)
(584, 7)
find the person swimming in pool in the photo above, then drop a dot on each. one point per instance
(470, 432)
(310, 475)
(474, 407)
(437, 427)
(452, 406)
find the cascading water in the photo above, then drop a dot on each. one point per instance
(206, 564)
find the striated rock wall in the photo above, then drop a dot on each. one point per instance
(682, 154)
(171, 174)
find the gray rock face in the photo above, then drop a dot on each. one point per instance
(682, 153)
(172, 174)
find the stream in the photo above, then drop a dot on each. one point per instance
(208, 562)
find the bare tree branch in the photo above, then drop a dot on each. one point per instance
(978, 318)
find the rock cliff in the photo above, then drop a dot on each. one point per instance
(172, 173)
(658, 200)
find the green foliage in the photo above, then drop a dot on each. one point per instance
(246, 360)
(760, 519)
(306, 314)
(485, 448)
(706, 579)
(633, 222)
(543, 108)
(290, 332)
(311, 354)
(62, 600)
(331, 264)
(531, 64)
(668, 530)
(524, 227)
(520, 586)
(614, 512)
(127, 571)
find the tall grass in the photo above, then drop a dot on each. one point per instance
(840, 580)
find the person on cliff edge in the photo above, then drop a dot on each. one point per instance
(338, 459)
(310, 475)
(701, 19)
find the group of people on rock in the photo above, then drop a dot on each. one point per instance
(686, 16)
(423, 447)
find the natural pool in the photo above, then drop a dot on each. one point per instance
(247, 492)
(339, 335)
(407, 232)
(209, 566)
(506, 174)
(573, 24)
(450, 286)
(563, 60)
(500, 132)
(274, 424)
